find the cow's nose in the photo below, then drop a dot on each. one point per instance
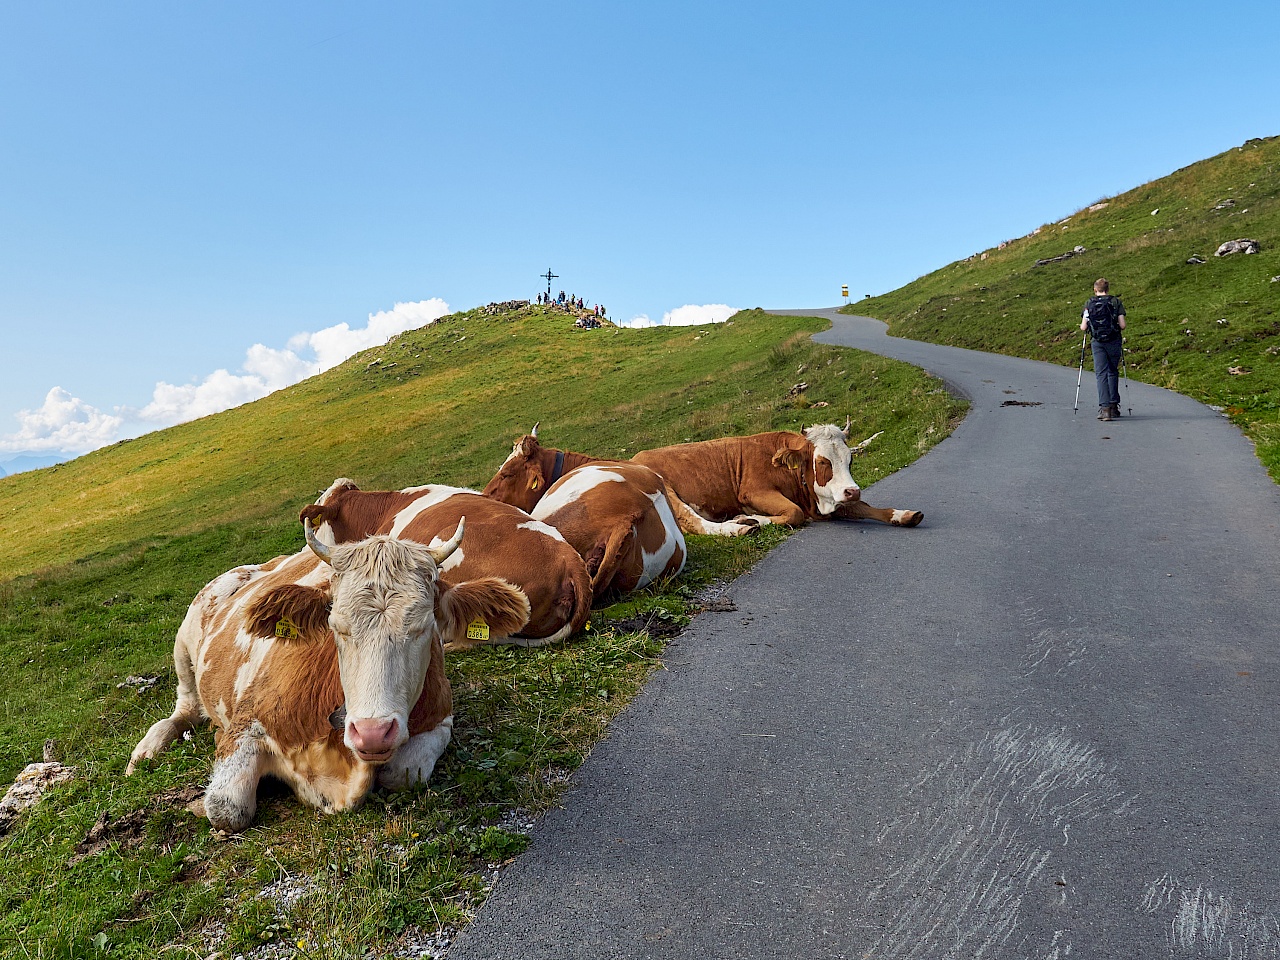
(374, 738)
(852, 494)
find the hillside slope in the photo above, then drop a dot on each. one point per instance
(1209, 330)
(439, 404)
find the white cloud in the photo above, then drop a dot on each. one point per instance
(68, 424)
(692, 314)
(267, 369)
(689, 315)
(63, 423)
(334, 344)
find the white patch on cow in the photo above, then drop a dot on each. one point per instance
(830, 443)
(537, 526)
(572, 486)
(433, 493)
(655, 564)
(256, 650)
(900, 516)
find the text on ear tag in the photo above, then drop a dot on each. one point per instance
(477, 630)
(287, 629)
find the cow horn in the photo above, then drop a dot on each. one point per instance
(534, 432)
(441, 553)
(318, 546)
(848, 422)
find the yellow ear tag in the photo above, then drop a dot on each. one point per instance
(533, 483)
(477, 630)
(287, 629)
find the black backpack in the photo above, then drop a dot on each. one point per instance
(1103, 324)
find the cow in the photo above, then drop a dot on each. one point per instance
(783, 477)
(502, 541)
(324, 669)
(614, 513)
(543, 466)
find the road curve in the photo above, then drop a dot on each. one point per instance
(1041, 725)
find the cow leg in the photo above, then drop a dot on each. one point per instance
(416, 759)
(774, 507)
(690, 521)
(187, 712)
(864, 511)
(231, 799)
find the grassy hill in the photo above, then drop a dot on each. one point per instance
(1190, 324)
(99, 558)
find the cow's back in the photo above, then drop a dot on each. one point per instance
(595, 504)
(710, 475)
(505, 542)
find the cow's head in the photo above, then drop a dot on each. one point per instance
(521, 480)
(833, 484)
(385, 607)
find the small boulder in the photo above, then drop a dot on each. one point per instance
(1237, 246)
(1195, 260)
(27, 790)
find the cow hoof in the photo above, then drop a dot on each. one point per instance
(911, 518)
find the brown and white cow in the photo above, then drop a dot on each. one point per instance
(326, 673)
(502, 541)
(614, 513)
(543, 466)
(782, 477)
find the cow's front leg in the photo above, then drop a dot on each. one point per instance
(864, 511)
(774, 507)
(414, 762)
(231, 799)
(690, 520)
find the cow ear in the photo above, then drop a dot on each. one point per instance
(528, 445)
(786, 457)
(317, 514)
(290, 611)
(502, 607)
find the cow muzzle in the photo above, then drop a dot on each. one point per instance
(374, 741)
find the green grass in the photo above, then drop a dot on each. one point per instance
(998, 301)
(101, 556)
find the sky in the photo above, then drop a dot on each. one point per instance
(202, 203)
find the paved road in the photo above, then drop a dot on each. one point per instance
(1041, 725)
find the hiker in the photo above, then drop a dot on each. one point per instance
(1104, 319)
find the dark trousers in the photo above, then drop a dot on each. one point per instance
(1106, 367)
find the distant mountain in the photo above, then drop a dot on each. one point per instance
(22, 462)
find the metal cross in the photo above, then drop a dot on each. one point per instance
(550, 276)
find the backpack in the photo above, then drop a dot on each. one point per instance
(1102, 318)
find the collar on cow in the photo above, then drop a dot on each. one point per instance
(558, 469)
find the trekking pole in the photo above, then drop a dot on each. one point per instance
(1080, 375)
(1124, 363)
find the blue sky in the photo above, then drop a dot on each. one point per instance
(194, 199)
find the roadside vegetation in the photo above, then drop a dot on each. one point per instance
(1210, 329)
(100, 557)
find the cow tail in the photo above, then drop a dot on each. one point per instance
(616, 552)
(579, 595)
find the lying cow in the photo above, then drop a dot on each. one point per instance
(502, 542)
(783, 477)
(257, 654)
(543, 466)
(615, 514)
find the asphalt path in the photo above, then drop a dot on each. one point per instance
(1043, 724)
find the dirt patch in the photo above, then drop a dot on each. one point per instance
(127, 831)
(657, 624)
(1020, 403)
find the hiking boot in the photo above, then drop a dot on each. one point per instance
(1104, 413)
(1115, 411)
